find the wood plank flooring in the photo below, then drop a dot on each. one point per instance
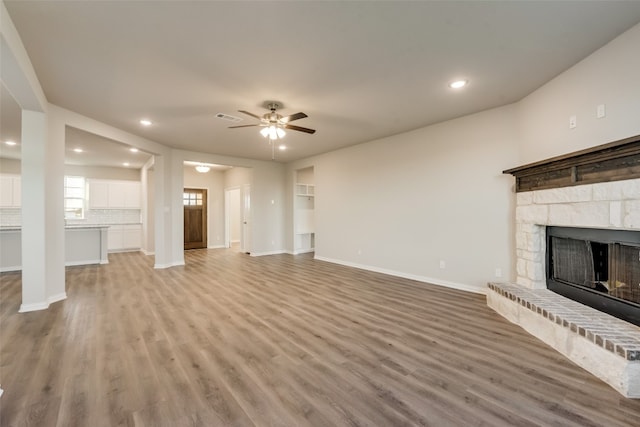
(231, 340)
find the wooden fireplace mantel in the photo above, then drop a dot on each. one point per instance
(614, 161)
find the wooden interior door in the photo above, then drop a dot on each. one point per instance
(195, 218)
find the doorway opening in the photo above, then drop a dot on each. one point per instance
(237, 218)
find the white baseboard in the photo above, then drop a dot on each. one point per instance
(146, 252)
(302, 251)
(216, 247)
(25, 308)
(57, 297)
(277, 252)
(429, 280)
(169, 265)
(11, 268)
(85, 262)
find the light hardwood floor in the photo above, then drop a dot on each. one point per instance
(280, 341)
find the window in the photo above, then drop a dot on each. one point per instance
(74, 197)
(192, 199)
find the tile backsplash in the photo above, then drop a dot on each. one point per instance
(12, 217)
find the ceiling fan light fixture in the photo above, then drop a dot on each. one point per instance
(273, 132)
(202, 168)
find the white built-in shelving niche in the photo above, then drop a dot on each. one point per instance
(304, 208)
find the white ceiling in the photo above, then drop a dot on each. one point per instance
(360, 70)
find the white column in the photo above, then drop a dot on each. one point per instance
(42, 213)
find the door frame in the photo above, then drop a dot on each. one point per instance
(206, 213)
(244, 193)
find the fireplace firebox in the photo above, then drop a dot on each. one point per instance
(596, 267)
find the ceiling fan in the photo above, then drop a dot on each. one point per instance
(273, 124)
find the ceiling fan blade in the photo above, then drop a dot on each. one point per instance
(299, 128)
(250, 114)
(293, 117)
(242, 126)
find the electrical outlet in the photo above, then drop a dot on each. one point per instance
(601, 111)
(498, 272)
(573, 122)
(443, 264)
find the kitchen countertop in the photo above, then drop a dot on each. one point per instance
(67, 227)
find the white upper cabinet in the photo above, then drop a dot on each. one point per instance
(105, 194)
(98, 194)
(10, 188)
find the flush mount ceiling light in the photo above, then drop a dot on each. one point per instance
(133, 150)
(146, 122)
(78, 150)
(11, 143)
(458, 84)
(125, 164)
(203, 168)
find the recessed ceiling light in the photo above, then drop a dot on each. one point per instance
(125, 164)
(458, 84)
(145, 122)
(282, 147)
(133, 149)
(11, 143)
(78, 150)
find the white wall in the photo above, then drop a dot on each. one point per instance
(404, 203)
(100, 172)
(609, 76)
(10, 166)
(267, 197)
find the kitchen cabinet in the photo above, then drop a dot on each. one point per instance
(131, 236)
(10, 191)
(124, 237)
(108, 194)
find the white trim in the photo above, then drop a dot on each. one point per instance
(115, 251)
(57, 297)
(25, 308)
(145, 252)
(12, 268)
(217, 247)
(303, 251)
(84, 262)
(277, 252)
(169, 265)
(429, 280)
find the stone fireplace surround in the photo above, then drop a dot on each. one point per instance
(604, 345)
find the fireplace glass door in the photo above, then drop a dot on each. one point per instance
(599, 268)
